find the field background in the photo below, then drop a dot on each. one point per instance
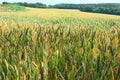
(60, 17)
(59, 44)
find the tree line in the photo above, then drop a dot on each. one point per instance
(106, 8)
(34, 5)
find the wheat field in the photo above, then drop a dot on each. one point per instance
(53, 44)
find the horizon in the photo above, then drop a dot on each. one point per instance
(51, 2)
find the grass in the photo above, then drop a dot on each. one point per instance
(11, 8)
(72, 46)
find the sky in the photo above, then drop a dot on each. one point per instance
(52, 2)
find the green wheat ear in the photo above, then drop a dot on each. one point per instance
(5, 66)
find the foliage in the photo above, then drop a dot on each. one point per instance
(108, 8)
(34, 5)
